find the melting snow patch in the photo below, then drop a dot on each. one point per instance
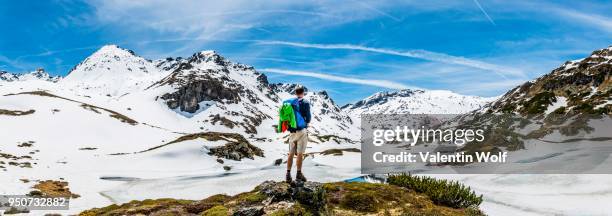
(561, 101)
(204, 105)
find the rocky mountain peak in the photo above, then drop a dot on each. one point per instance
(578, 86)
(113, 49)
(285, 87)
(7, 76)
(113, 71)
(597, 57)
(208, 56)
(416, 102)
(38, 74)
(382, 97)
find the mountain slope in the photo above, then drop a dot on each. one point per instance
(568, 107)
(579, 86)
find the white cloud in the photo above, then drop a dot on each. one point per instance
(419, 54)
(602, 22)
(488, 87)
(370, 82)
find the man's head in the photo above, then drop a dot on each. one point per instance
(299, 91)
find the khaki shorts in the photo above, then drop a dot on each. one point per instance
(298, 141)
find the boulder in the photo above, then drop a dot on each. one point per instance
(236, 151)
(250, 211)
(278, 162)
(311, 194)
(277, 191)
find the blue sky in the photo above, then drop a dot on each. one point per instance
(349, 48)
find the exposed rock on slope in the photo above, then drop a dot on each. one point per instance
(207, 76)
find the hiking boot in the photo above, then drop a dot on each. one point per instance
(300, 176)
(288, 177)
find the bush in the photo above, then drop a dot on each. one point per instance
(539, 102)
(440, 191)
(216, 211)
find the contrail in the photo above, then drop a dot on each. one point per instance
(370, 82)
(484, 12)
(419, 54)
(378, 11)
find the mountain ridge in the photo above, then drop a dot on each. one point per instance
(408, 101)
(38, 74)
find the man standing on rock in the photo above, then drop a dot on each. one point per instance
(298, 137)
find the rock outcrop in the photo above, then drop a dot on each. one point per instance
(188, 96)
(305, 198)
(236, 151)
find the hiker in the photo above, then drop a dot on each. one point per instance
(295, 116)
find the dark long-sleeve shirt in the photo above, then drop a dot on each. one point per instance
(305, 110)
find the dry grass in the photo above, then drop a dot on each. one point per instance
(54, 189)
(210, 136)
(16, 112)
(93, 108)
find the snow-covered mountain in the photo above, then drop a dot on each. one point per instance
(112, 71)
(38, 74)
(6, 76)
(416, 102)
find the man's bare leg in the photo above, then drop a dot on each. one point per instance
(290, 161)
(300, 175)
(289, 165)
(300, 158)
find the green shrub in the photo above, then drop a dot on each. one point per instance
(539, 102)
(560, 111)
(440, 191)
(216, 211)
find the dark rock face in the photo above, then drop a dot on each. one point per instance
(189, 95)
(310, 193)
(194, 85)
(278, 191)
